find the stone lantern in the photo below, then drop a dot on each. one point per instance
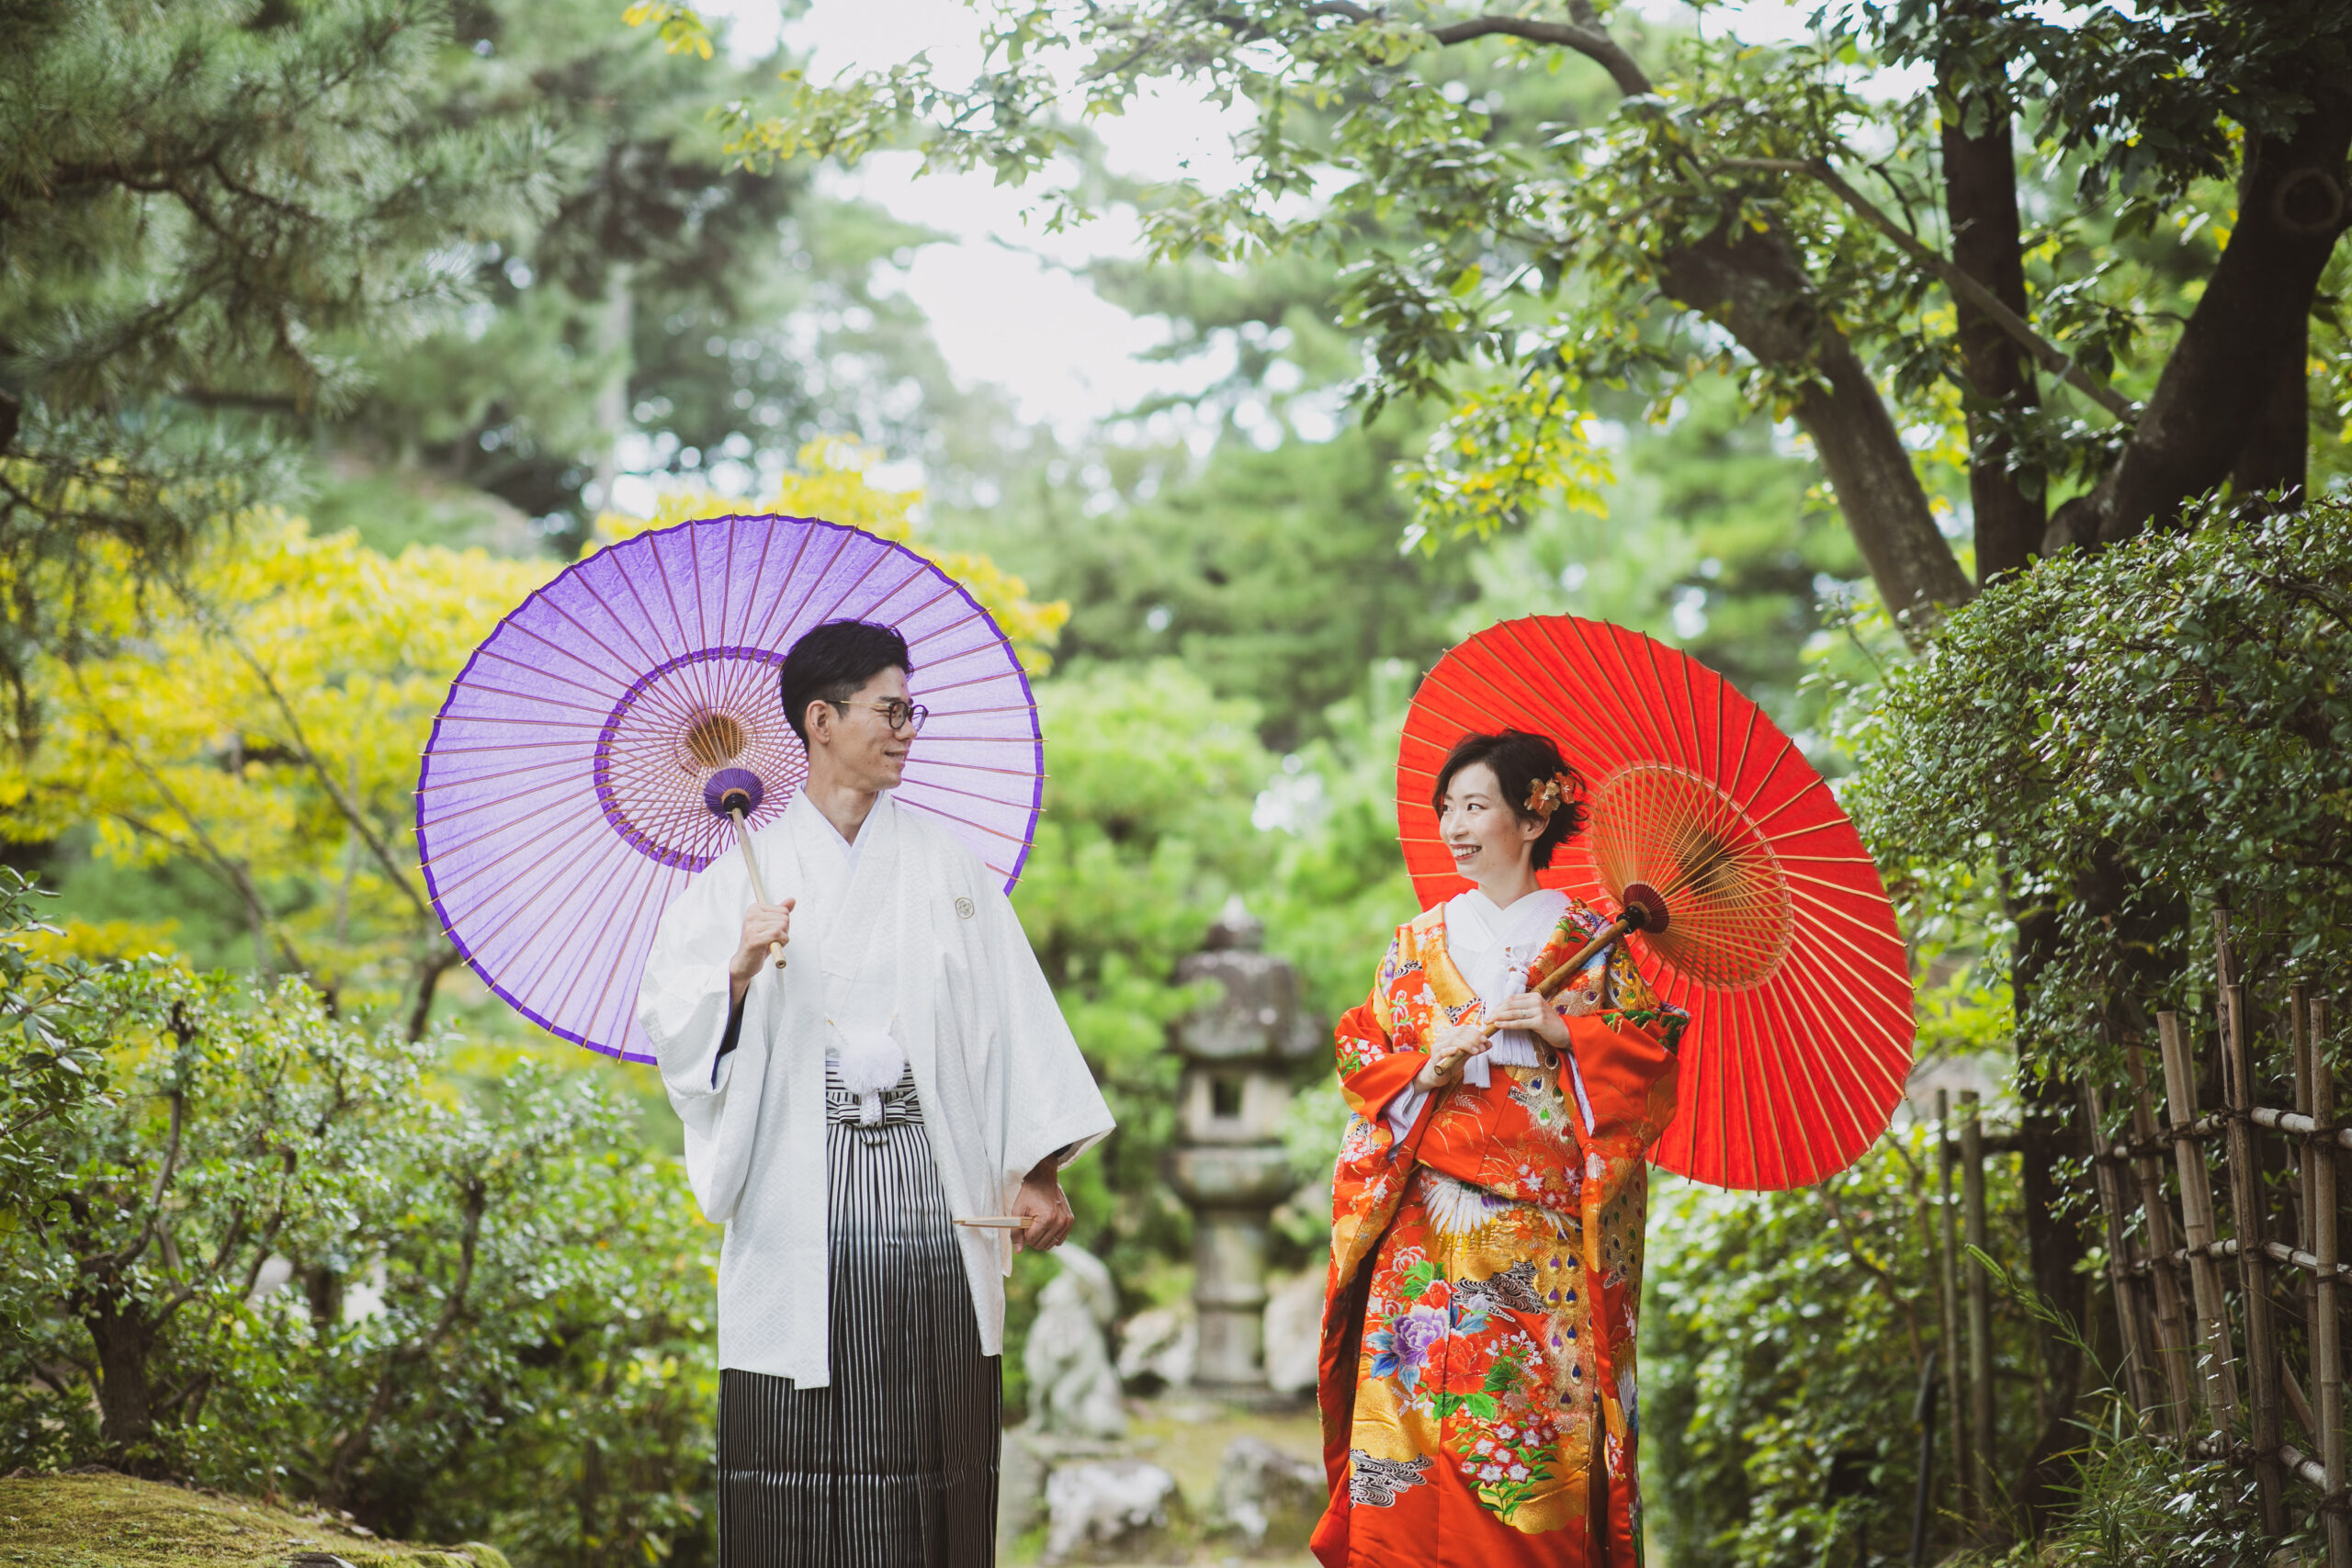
(1228, 1163)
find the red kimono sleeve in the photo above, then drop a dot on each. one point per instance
(1375, 1065)
(1374, 1058)
(1628, 1075)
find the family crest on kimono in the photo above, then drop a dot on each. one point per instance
(1477, 1381)
(858, 1064)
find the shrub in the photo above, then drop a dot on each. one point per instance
(263, 1248)
(2138, 731)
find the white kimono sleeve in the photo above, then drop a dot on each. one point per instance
(1055, 1105)
(682, 1006)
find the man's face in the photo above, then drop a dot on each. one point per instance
(860, 746)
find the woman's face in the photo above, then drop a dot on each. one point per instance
(1487, 838)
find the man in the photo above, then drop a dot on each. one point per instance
(904, 1069)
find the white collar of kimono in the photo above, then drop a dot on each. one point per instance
(847, 846)
(1492, 947)
(858, 963)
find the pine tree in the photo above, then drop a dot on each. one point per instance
(669, 303)
(208, 210)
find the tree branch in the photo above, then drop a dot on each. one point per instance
(163, 1174)
(1861, 1254)
(1751, 280)
(1586, 36)
(2052, 358)
(429, 970)
(347, 1452)
(1590, 42)
(34, 1120)
(232, 872)
(2247, 334)
(393, 869)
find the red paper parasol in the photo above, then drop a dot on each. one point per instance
(1782, 943)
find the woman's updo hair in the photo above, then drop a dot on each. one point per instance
(1522, 764)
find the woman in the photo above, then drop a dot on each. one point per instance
(1488, 1209)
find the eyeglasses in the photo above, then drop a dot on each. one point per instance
(896, 713)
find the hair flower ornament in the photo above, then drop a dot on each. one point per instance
(1543, 796)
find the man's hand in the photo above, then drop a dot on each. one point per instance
(1529, 1011)
(763, 924)
(1042, 1204)
(1450, 1054)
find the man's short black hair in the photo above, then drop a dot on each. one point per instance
(832, 661)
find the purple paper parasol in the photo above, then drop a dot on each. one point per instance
(567, 790)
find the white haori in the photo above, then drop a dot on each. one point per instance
(1493, 947)
(905, 952)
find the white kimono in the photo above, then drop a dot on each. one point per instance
(910, 937)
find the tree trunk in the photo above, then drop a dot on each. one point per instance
(1757, 288)
(429, 970)
(2050, 1140)
(2054, 1246)
(2225, 384)
(1755, 285)
(2277, 454)
(614, 331)
(1981, 202)
(124, 1340)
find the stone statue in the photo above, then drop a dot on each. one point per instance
(1073, 1388)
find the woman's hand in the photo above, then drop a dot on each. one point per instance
(1449, 1053)
(1532, 1012)
(763, 924)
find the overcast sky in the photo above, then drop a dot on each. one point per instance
(1002, 298)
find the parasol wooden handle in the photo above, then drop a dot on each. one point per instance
(1644, 912)
(759, 888)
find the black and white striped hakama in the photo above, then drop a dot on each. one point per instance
(894, 1465)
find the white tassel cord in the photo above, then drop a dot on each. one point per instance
(870, 1061)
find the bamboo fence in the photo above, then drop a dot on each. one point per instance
(2230, 1332)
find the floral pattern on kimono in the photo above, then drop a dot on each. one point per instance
(1485, 1271)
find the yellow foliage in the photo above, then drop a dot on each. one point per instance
(1504, 451)
(262, 717)
(98, 939)
(684, 30)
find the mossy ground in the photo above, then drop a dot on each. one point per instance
(112, 1521)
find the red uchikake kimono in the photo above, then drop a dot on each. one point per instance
(1486, 1274)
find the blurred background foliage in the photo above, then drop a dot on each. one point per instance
(291, 424)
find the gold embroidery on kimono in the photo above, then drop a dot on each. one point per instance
(1485, 1272)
